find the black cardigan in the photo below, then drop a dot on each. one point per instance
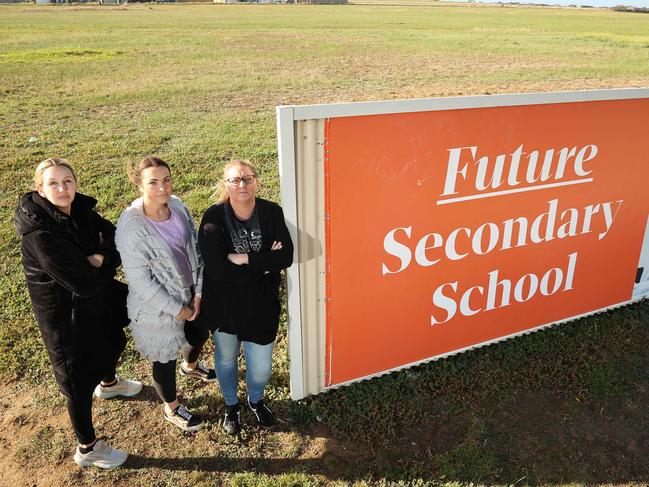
(243, 300)
(71, 298)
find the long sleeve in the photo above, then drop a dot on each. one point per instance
(244, 299)
(214, 249)
(273, 260)
(65, 262)
(138, 270)
(107, 245)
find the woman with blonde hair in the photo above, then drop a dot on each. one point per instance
(69, 257)
(245, 244)
(156, 238)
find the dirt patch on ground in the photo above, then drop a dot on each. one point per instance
(34, 433)
(540, 437)
(38, 445)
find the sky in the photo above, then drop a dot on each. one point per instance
(591, 3)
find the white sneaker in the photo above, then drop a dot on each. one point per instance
(123, 387)
(102, 456)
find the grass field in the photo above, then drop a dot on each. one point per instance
(197, 84)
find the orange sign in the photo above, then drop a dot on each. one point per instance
(453, 228)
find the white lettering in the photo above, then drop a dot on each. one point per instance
(609, 216)
(397, 249)
(546, 278)
(488, 171)
(465, 301)
(454, 169)
(476, 242)
(512, 177)
(506, 285)
(520, 285)
(446, 303)
(496, 180)
(451, 248)
(570, 273)
(564, 155)
(589, 210)
(570, 227)
(535, 231)
(509, 229)
(422, 247)
(581, 158)
(499, 291)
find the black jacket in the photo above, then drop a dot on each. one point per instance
(71, 298)
(243, 300)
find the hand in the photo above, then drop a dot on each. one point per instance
(196, 306)
(276, 246)
(238, 259)
(96, 260)
(185, 313)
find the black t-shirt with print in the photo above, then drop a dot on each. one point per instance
(245, 235)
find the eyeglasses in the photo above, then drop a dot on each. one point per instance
(237, 181)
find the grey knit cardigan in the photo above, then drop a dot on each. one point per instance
(156, 288)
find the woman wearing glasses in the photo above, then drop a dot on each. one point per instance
(245, 244)
(156, 238)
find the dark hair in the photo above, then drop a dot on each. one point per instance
(135, 170)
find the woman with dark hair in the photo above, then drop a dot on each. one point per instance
(69, 258)
(245, 244)
(156, 238)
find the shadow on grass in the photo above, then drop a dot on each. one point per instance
(148, 394)
(567, 405)
(529, 438)
(225, 464)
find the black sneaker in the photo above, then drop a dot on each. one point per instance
(232, 419)
(263, 414)
(199, 372)
(185, 420)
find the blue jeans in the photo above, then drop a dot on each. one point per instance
(258, 364)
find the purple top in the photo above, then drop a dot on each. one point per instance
(175, 234)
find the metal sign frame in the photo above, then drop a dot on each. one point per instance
(301, 148)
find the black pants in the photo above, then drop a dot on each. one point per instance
(116, 343)
(80, 412)
(164, 374)
(79, 403)
(196, 337)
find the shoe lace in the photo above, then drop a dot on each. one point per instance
(258, 405)
(183, 413)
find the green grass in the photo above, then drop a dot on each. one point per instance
(55, 56)
(197, 85)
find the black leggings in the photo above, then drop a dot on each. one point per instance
(196, 337)
(116, 342)
(164, 374)
(80, 412)
(79, 402)
(164, 380)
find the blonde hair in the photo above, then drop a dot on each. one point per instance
(220, 192)
(134, 170)
(46, 164)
